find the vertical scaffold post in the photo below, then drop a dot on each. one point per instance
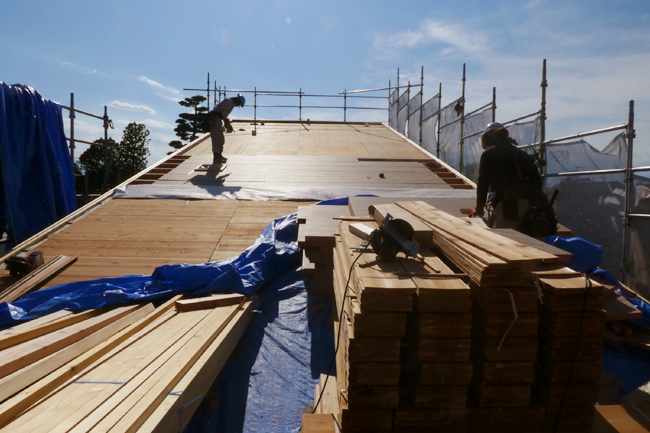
(542, 121)
(300, 106)
(421, 101)
(72, 116)
(439, 117)
(629, 184)
(389, 93)
(345, 104)
(397, 102)
(494, 104)
(108, 155)
(208, 91)
(408, 105)
(215, 93)
(462, 124)
(255, 112)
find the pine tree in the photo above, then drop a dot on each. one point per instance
(190, 125)
(129, 157)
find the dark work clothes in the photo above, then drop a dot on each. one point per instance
(498, 171)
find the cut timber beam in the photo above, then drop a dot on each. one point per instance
(24, 354)
(134, 410)
(23, 400)
(214, 301)
(38, 276)
(26, 376)
(45, 328)
(175, 411)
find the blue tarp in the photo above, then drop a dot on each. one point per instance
(630, 364)
(274, 251)
(37, 177)
(269, 381)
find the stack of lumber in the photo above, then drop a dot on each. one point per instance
(375, 310)
(316, 228)
(486, 257)
(505, 313)
(139, 368)
(571, 343)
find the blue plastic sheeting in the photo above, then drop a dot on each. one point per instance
(273, 252)
(268, 383)
(586, 256)
(37, 177)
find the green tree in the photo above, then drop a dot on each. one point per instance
(190, 125)
(129, 157)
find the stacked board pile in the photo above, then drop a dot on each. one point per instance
(404, 339)
(133, 368)
(571, 345)
(420, 350)
(316, 228)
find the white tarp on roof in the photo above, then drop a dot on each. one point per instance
(277, 193)
(429, 122)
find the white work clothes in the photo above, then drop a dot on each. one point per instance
(218, 140)
(224, 107)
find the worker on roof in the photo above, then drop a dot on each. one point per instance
(512, 179)
(218, 117)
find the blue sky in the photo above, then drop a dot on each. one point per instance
(136, 57)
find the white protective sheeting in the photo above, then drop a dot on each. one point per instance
(525, 133)
(402, 114)
(414, 117)
(472, 148)
(277, 193)
(581, 156)
(392, 110)
(450, 135)
(429, 122)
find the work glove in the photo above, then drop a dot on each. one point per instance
(476, 214)
(229, 129)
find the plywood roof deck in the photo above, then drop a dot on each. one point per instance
(122, 237)
(290, 154)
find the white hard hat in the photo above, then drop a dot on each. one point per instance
(493, 125)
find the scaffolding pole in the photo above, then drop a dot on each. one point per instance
(462, 123)
(629, 184)
(542, 124)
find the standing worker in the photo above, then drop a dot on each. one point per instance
(217, 117)
(511, 177)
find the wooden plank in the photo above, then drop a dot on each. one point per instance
(175, 412)
(319, 423)
(36, 371)
(65, 318)
(497, 245)
(24, 354)
(213, 301)
(422, 233)
(27, 325)
(38, 276)
(133, 410)
(23, 400)
(563, 256)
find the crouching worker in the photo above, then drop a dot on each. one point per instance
(218, 117)
(512, 180)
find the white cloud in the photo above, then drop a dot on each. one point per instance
(171, 98)
(453, 36)
(158, 85)
(131, 107)
(80, 68)
(152, 123)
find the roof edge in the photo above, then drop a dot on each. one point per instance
(440, 161)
